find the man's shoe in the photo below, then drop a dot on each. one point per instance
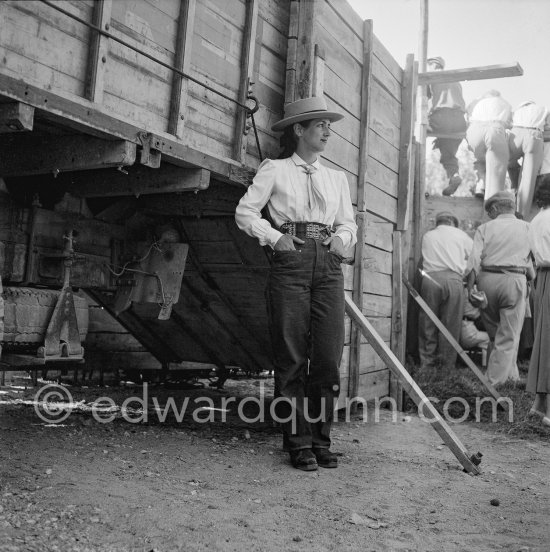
(454, 182)
(303, 459)
(325, 458)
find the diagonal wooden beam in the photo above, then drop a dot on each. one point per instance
(456, 346)
(470, 73)
(424, 405)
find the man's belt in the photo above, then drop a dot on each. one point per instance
(488, 122)
(304, 230)
(504, 269)
(529, 128)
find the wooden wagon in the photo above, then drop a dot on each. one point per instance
(131, 125)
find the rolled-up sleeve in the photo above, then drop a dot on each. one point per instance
(248, 213)
(344, 221)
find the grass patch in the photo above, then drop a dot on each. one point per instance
(461, 393)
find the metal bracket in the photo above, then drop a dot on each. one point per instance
(149, 156)
(62, 341)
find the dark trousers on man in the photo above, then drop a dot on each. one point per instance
(305, 301)
(448, 121)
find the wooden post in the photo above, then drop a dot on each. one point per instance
(361, 218)
(247, 64)
(318, 81)
(292, 50)
(182, 62)
(99, 48)
(305, 51)
(406, 159)
(399, 318)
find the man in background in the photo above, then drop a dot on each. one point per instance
(525, 140)
(489, 117)
(447, 117)
(500, 264)
(445, 251)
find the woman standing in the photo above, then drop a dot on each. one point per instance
(538, 379)
(312, 225)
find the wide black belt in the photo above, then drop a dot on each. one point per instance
(504, 269)
(303, 230)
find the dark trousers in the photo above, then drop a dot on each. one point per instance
(443, 291)
(305, 301)
(448, 121)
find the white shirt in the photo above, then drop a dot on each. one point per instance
(493, 108)
(501, 242)
(281, 184)
(529, 114)
(539, 237)
(446, 248)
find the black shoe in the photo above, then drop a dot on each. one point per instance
(303, 459)
(325, 458)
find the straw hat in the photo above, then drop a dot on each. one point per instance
(305, 109)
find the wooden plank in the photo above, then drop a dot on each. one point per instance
(377, 260)
(184, 40)
(411, 387)
(381, 74)
(139, 181)
(399, 318)
(470, 73)
(380, 235)
(16, 117)
(343, 10)
(377, 305)
(454, 343)
(98, 51)
(305, 48)
(82, 115)
(382, 177)
(366, 92)
(383, 54)
(371, 386)
(386, 116)
(291, 80)
(383, 151)
(357, 296)
(318, 80)
(377, 284)
(383, 205)
(65, 153)
(247, 77)
(406, 157)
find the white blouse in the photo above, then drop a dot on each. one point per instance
(282, 185)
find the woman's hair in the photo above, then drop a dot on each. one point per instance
(542, 195)
(289, 140)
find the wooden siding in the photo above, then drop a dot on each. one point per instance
(221, 316)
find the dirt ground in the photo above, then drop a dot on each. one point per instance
(85, 485)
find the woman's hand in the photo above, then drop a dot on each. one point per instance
(286, 243)
(335, 245)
